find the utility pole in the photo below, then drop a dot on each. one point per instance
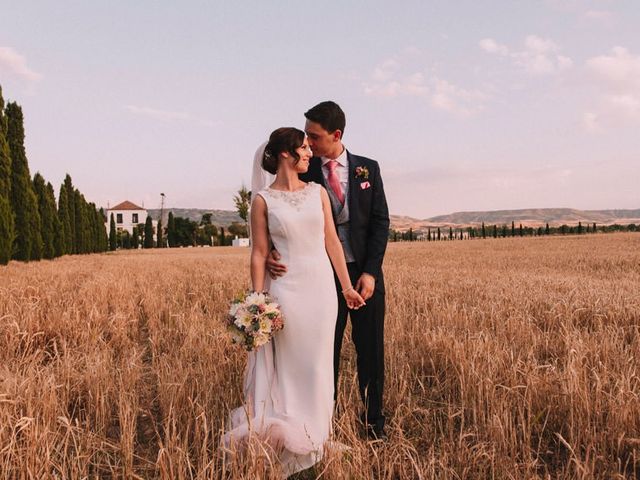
(161, 212)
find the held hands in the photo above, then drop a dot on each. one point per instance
(274, 267)
(353, 298)
(365, 285)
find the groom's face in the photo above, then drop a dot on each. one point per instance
(322, 143)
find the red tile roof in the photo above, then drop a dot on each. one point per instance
(126, 205)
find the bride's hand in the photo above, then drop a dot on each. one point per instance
(353, 298)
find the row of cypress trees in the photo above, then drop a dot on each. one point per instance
(32, 225)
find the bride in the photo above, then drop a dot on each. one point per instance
(288, 383)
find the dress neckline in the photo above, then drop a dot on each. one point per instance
(290, 191)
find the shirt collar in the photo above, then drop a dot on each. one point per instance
(342, 158)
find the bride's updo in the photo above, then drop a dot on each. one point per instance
(284, 139)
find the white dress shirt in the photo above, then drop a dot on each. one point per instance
(342, 170)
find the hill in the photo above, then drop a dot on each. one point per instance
(220, 218)
(530, 217)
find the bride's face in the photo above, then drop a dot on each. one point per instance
(304, 152)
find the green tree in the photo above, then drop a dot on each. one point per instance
(579, 228)
(513, 228)
(171, 230)
(159, 237)
(547, 231)
(242, 201)
(48, 216)
(209, 230)
(135, 238)
(81, 231)
(113, 238)
(28, 239)
(484, 231)
(148, 233)
(126, 240)
(7, 224)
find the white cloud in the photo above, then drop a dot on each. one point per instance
(590, 122)
(616, 76)
(540, 56)
(600, 16)
(390, 79)
(491, 46)
(620, 70)
(163, 115)
(12, 63)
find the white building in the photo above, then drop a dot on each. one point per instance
(128, 215)
(240, 242)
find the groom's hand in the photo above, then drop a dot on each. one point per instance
(365, 285)
(274, 267)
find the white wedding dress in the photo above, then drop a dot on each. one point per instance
(288, 383)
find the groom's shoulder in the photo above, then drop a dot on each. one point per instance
(362, 160)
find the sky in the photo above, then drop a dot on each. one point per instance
(467, 105)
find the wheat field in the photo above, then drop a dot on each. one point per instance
(507, 358)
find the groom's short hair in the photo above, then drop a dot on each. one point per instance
(329, 115)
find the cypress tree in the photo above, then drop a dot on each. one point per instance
(70, 239)
(521, 231)
(148, 233)
(113, 240)
(429, 234)
(546, 229)
(135, 238)
(594, 227)
(28, 239)
(579, 228)
(439, 233)
(513, 228)
(47, 214)
(159, 239)
(495, 231)
(104, 237)
(7, 226)
(65, 219)
(484, 231)
(58, 234)
(450, 233)
(81, 230)
(171, 230)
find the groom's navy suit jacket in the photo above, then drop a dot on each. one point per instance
(368, 213)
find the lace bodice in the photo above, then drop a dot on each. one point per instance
(296, 222)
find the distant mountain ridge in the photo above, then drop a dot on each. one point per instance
(529, 216)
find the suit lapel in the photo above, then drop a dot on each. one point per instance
(315, 171)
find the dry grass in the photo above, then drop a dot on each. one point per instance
(514, 358)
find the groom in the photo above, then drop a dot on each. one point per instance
(361, 216)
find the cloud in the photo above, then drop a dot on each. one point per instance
(491, 46)
(391, 78)
(616, 77)
(12, 63)
(164, 115)
(167, 115)
(540, 56)
(604, 17)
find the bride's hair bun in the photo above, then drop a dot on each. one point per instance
(284, 139)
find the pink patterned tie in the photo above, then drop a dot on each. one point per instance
(334, 182)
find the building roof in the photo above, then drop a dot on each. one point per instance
(126, 205)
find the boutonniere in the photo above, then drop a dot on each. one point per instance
(362, 172)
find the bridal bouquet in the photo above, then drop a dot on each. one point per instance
(253, 319)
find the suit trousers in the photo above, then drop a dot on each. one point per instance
(367, 333)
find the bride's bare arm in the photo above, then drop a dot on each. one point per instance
(259, 242)
(336, 255)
